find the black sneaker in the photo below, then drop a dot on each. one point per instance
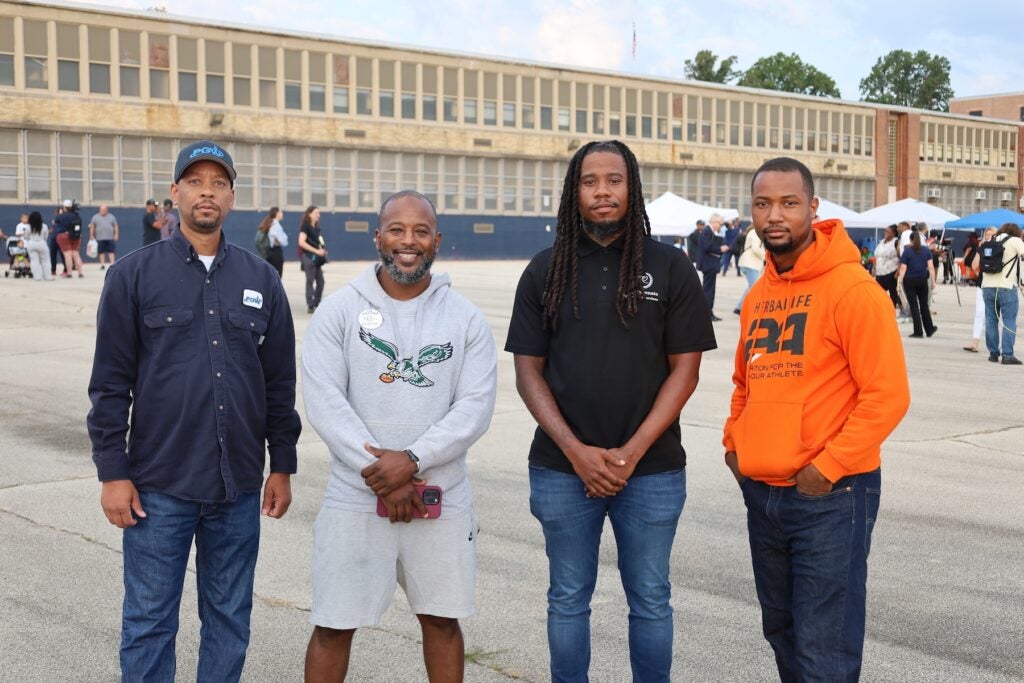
(715, 318)
(736, 311)
(933, 331)
(1011, 360)
(993, 358)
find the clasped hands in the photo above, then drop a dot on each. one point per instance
(392, 478)
(604, 471)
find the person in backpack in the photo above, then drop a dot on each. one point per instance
(271, 237)
(1000, 263)
(68, 227)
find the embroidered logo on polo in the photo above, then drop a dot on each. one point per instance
(403, 368)
(647, 281)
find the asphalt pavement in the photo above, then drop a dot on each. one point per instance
(946, 593)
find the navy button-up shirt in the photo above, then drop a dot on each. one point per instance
(204, 364)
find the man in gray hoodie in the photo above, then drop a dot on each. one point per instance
(399, 379)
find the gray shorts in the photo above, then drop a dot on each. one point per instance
(359, 558)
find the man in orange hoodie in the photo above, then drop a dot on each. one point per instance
(820, 382)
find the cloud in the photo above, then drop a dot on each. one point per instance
(583, 34)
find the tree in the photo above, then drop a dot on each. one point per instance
(702, 68)
(919, 80)
(788, 73)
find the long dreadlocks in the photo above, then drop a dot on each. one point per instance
(564, 259)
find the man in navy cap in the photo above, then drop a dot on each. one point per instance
(193, 384)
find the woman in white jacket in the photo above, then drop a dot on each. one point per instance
(751, 262)
(38, 251)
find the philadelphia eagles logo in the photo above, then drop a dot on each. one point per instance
(403, 369)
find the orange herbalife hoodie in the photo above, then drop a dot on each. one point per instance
(820, 375)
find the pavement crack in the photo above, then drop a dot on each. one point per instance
(28, 484)
(964, 435)
(51, 527)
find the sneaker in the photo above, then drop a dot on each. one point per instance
(1011, 360)
(736, 311)
(715, 318)
(310, 309)
(932, 331)
(916, 335)
(993, 358)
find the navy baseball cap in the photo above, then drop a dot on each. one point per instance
(204, 150)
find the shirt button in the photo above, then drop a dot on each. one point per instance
(252, 324)
(605, 269)
(214, 342)
(188, 260)
(207, 281)
(604, 286)
(220, 407)
(211, 311)
(169, 319)
(218, 374)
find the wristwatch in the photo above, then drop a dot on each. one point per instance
(415, 460)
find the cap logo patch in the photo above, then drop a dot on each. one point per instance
(198, 151)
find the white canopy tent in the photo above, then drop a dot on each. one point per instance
(671, 214)
(906, 210)
(827, 210)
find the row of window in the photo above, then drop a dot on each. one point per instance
(127, 63)
(41, 166)
(965, 200)
(953, 143)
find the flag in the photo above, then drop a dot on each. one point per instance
(634, 41)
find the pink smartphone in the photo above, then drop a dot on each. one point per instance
(430, 495)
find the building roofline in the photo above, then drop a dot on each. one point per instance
(162, 15)
(968, 98)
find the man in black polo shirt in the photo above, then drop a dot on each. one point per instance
(608, 329)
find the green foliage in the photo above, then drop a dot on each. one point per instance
(919, 80)
(788, 73)
(705, 67)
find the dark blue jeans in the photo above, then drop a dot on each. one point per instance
(156, 554)
(644, 516)
(810, 557)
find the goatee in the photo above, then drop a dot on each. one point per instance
(400, 276)
(603, 229)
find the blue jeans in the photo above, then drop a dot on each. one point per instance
(1000, 318)
(155, 558)
(810, 558)
(644, 516)
(751, 274)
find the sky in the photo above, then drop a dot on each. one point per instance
(842, 39)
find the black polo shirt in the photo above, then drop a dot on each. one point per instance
(604, 377)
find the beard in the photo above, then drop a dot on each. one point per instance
(402, 277)
(603, 229)
(205, 225)
(783, 248)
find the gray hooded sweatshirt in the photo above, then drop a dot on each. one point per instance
(418, 375)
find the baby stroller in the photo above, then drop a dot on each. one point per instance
(19, 264)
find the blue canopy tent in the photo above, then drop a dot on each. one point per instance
(996, 218)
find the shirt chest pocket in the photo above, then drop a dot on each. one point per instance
(169, 333)
(245, 334)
